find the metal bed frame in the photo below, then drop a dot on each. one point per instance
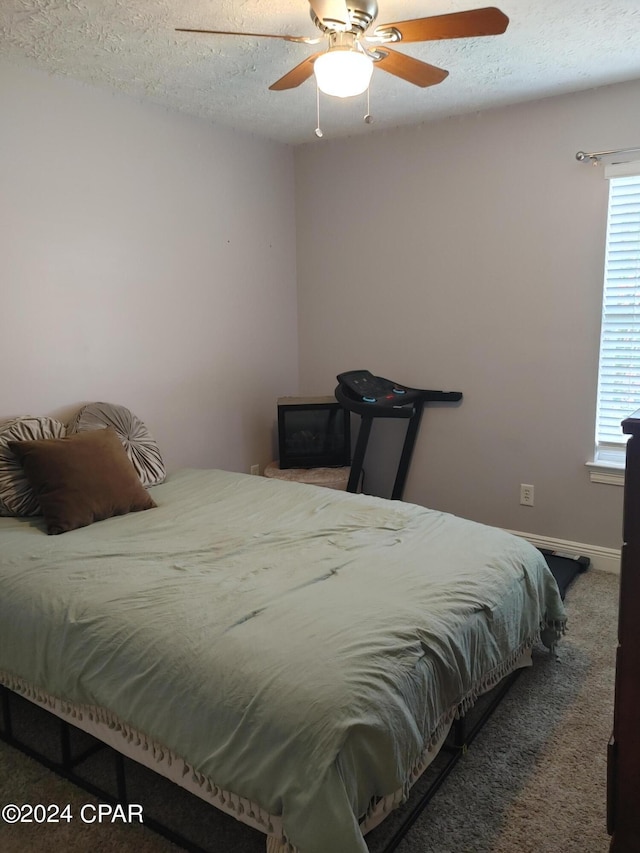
(463, 732)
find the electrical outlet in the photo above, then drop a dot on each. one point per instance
(255, 469)
(526, 494)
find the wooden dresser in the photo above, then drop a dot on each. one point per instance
(623, 806)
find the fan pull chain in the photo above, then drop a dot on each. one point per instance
(368, 119)
(318, 128)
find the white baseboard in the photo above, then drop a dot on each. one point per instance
(604, 559)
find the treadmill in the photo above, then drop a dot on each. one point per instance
(371, 397)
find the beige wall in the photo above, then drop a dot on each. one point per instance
(149, 259)
(468, 255)
(146, 259)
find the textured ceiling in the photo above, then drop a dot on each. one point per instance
(550, 47)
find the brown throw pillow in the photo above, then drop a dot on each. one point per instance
(81, 478)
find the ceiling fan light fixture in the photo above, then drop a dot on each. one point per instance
(343, 72)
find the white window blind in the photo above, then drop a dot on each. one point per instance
(619, 372)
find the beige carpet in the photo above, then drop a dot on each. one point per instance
(534, 780)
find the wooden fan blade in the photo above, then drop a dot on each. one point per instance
(476, 22)
(331, 11)
(412, 70)
(302, 39)
(296, 76)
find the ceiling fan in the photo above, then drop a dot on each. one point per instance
(344, 69)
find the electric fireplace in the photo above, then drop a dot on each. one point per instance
(313, 432)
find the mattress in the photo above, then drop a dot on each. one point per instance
(300, 648)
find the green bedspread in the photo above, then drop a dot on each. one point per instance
(295, 645)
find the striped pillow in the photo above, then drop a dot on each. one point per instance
(142, 449)
(16, 495)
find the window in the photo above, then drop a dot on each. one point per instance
(619, 371)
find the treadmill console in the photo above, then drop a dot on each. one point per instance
(363, 393)
(376, 390)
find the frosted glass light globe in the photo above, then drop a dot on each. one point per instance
(343, 73)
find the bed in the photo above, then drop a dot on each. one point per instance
(294, 655)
